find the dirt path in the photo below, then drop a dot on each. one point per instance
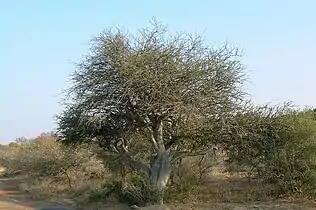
(13, 199)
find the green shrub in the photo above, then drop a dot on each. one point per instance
(134, 190)
(279, 146)
(293, 166)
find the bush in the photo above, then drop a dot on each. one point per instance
(52, 169)
(279, 146)
(48, 164)
(293, 166)
(134, 190)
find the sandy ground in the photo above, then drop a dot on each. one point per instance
(11, 198)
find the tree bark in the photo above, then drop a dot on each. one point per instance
(160, 166)
(160, 171)
(158, 132)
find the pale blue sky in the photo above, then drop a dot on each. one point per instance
(40, 40)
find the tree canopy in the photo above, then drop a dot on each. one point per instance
(152, 93)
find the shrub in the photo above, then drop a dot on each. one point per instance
(293, 166)
(48, 164)
(134, 190)
(44, 157)
(279, 146)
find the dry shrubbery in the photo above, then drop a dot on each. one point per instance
(276, 148)
(154, 104)
(51, 168)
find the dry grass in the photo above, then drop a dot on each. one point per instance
(221, 191)
(214, 190)
(229, 191)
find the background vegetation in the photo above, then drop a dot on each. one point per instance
(273, 157)
(151, 117)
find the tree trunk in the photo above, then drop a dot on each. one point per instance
(160, 165)
(160, 173)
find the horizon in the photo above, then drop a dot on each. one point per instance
(42, 41)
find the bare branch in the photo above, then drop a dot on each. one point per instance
(152, 92)
(180, 155)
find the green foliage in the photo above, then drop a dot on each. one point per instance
(293, 166)
(188, 175)
(151, 101)
(134, 190)
(279, 146)
(147, 99)
(136, 85)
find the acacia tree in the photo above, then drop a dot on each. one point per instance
(151, 94)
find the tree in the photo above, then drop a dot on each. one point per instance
(151, 97)
(20, 140)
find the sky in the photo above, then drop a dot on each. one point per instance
(41, 40)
